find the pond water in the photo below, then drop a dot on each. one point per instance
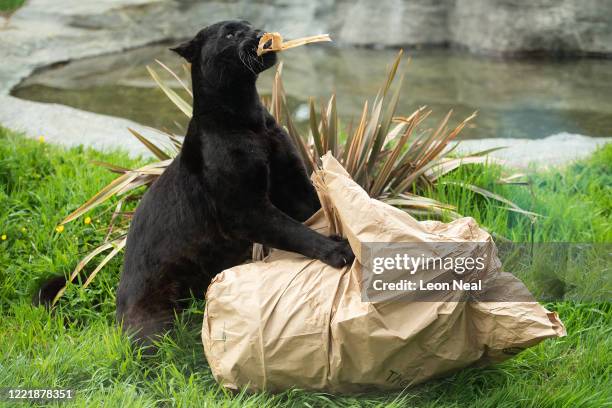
(514, 98)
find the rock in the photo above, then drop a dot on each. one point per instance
(393, 23)
(70, 127)
(550, 151)
(499, 27)
(538, 26)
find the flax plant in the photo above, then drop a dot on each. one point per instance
(393, 157)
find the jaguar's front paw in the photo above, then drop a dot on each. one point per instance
(340, 255)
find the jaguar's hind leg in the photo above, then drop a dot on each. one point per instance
(148, 310)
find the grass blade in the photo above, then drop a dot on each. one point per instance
(383, 129)
(176, 99)
(118, 245)
(486, 193)
(356, 142)
(180, 81)
(447, 165)
(314, 129)
(332, 128)
(103, 195)
(80, 266)
(112, 167)
(159, 153)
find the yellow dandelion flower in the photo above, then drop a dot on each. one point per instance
(41, 139)
(87, 220)
(4, 237)
(59, 228)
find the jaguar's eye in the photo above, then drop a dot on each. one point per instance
(229, 36)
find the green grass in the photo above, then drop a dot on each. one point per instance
(576, 207)
(10, 5)
(79, 347)
(577, 203)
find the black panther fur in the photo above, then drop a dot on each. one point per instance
(237, 180)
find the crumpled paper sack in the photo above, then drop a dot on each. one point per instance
(290, 321)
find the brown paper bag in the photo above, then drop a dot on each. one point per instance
(289, 321)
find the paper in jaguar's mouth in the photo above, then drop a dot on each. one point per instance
(274, 42)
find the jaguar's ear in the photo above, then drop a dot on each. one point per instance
(187, 50)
